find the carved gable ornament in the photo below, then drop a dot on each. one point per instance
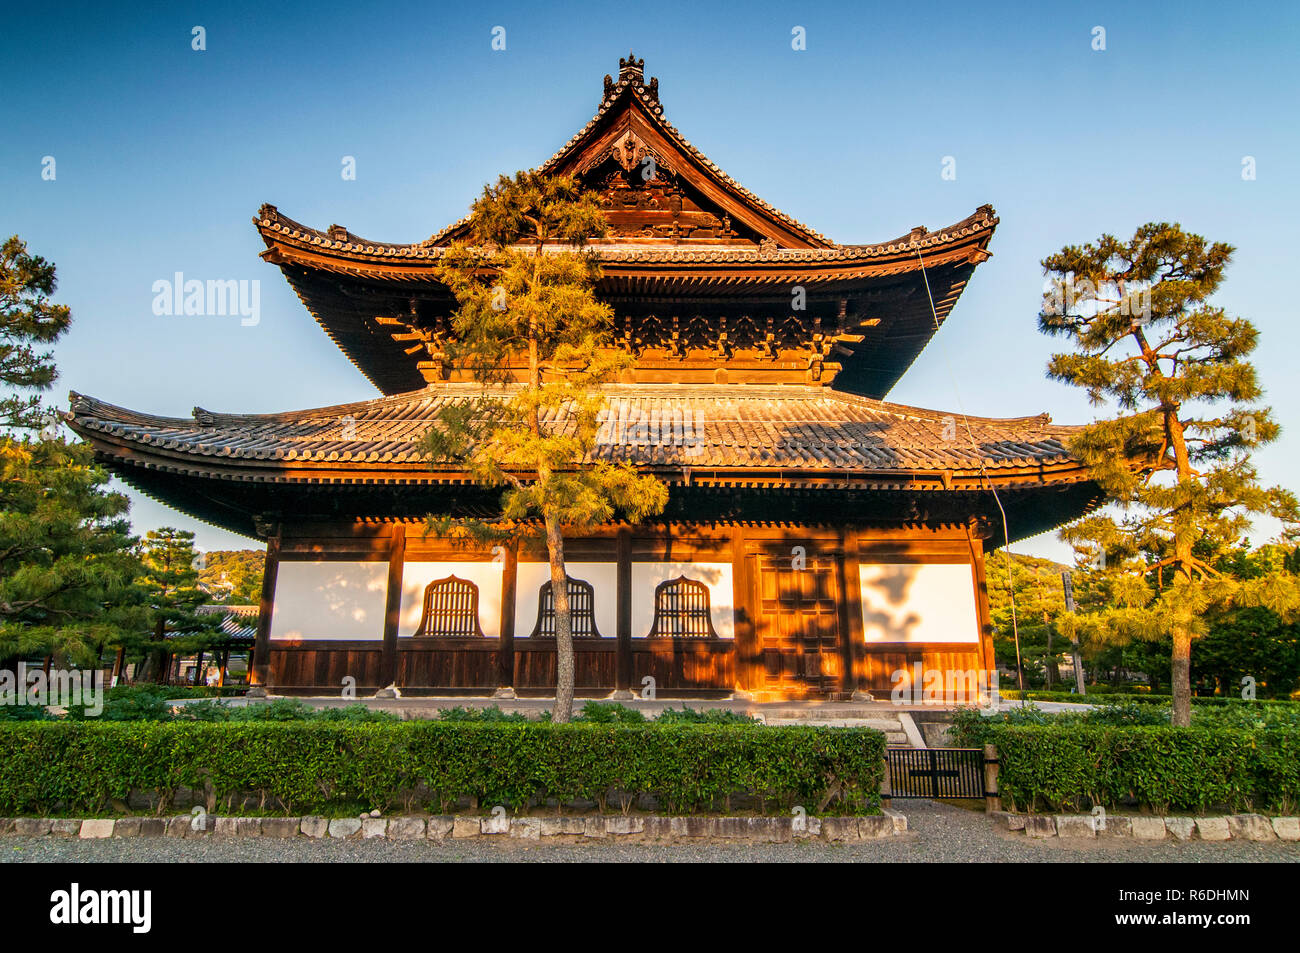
(629, 151)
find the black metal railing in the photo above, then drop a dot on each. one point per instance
(936, 772)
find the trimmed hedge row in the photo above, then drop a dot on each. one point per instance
(337, 767)
(1073, 767)
(1117, 698)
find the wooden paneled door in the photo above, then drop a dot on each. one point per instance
(799, 624)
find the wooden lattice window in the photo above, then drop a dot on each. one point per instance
(582, 606)
(450, 610)
(682, 610)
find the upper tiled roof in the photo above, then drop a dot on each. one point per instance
(272, 222)
(669, 426)
(877, 295)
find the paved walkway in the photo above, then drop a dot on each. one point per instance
(937, 832)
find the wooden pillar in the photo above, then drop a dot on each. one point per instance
(992, 799)
(259, 673)
(623, 647)
(748, 677)
(853, 637)
(886, 786)
(988, 661)
(393, 605)
(509, 594)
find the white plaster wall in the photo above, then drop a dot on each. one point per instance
(912, 602)
(717, 576)
(604, 583)
(486, 575)
(330, 600)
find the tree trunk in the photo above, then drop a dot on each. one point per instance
(563, 625)
(1180, 677)
(161, 658)
(1078, 669)
(1052, 669)
(118, 664)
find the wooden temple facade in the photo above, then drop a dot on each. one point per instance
(817, 538)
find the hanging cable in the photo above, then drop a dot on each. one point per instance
(984, 479)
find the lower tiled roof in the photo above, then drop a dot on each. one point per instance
(688, 426)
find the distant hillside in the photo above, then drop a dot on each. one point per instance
(233, 577)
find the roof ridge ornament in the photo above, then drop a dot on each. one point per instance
(631, 72)
(631, 69)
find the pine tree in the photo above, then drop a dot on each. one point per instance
(1176, 457)
(170, 582)
(1252, 645)
(525, 288)
(66, 566)
(27, 322)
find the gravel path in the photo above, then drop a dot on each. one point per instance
(937, 832)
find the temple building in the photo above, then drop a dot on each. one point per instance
(817, 538)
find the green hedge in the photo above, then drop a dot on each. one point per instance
(1109, 698)
(1074, 767)
(339, 767)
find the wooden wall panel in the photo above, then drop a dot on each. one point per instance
(322, 666)
(874, 668)
(594, 664)
(684, 664)
(453, 664)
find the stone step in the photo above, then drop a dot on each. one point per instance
(835, 721)
(893, 729)
(819, 714)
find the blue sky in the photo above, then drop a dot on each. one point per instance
(163, 154)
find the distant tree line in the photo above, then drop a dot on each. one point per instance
(1253, 643)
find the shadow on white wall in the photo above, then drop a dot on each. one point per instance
(330, 600)
(918, 602)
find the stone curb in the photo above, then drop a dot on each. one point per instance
(441, 827)
(1252, 827)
